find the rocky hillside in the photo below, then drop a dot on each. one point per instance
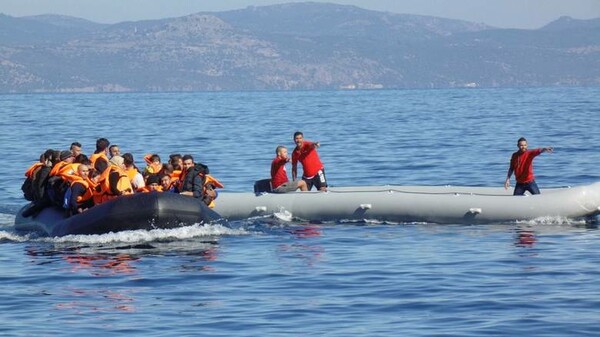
(291, 46)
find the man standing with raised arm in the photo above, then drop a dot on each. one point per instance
(521, 163)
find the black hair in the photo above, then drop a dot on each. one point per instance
(522, 139)
(186, 157)
(298, 133)
(80, 158)
(102, 144)
(86, 161)
(127, 159)
(78, 144)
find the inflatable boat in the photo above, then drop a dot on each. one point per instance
(139, 211)
(435, 204)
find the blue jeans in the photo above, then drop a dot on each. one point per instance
(531, 186)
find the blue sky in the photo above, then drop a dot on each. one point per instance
(499, 13)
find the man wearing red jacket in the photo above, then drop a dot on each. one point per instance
(306, 153)
(521, 163)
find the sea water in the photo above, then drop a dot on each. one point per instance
(281, 276)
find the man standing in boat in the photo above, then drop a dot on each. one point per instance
(521, 163)
(313, 170)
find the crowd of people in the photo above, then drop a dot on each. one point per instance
(76, 182)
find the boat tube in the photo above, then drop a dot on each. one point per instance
(131, 212)
(436, 204)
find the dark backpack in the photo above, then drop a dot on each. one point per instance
(56, 189)
(27, 189)
(27, 186)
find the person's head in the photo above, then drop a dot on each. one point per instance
(188, 161)
(153, 181)
(155, 159)
(166, 169)
(118, 161)
(176, 161)
(47, 157)
(101, 145)
(55, 157)
(522, 144)
(75, 149)
(281, 151)
(83, 170)
(114, 150)
(128, 159)
(66, 156)
(298, 138)
(165, 181)
(80, 158)
(94, 175)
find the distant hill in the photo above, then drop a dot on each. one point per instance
(291, 46)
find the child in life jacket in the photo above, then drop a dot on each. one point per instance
(154, 164)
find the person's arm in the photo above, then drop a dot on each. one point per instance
(509, 173)
(294, 166)
(548, 149)
(507, 182)
(77, 190)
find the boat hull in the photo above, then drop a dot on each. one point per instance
(140, 211)
(436, 204)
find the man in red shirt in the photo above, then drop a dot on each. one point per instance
(279, 179)
(521, 163)
(306, 153)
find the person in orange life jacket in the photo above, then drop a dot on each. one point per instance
(113, 182)
(39, 181)
(279, 179)
(152, 184)
(521, 163)
(82, 190)
(114, 150)
(35, 173)
(99, 159)
(176, 161)
(306, 153)
(154, 164)
(135, 177)
(65, 167)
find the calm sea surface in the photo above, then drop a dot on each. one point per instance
(266, 277)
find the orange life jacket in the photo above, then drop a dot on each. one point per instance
(66, 171)
(32, 169)
(103, 191)
(152, 168)
(89, 188)
(176, 175)
(131, 172)
(146, 189)
(210, 180)
(97, 156)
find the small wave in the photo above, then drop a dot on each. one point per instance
(553, 221)
(136, 236)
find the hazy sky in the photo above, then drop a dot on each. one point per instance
(499, 13)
